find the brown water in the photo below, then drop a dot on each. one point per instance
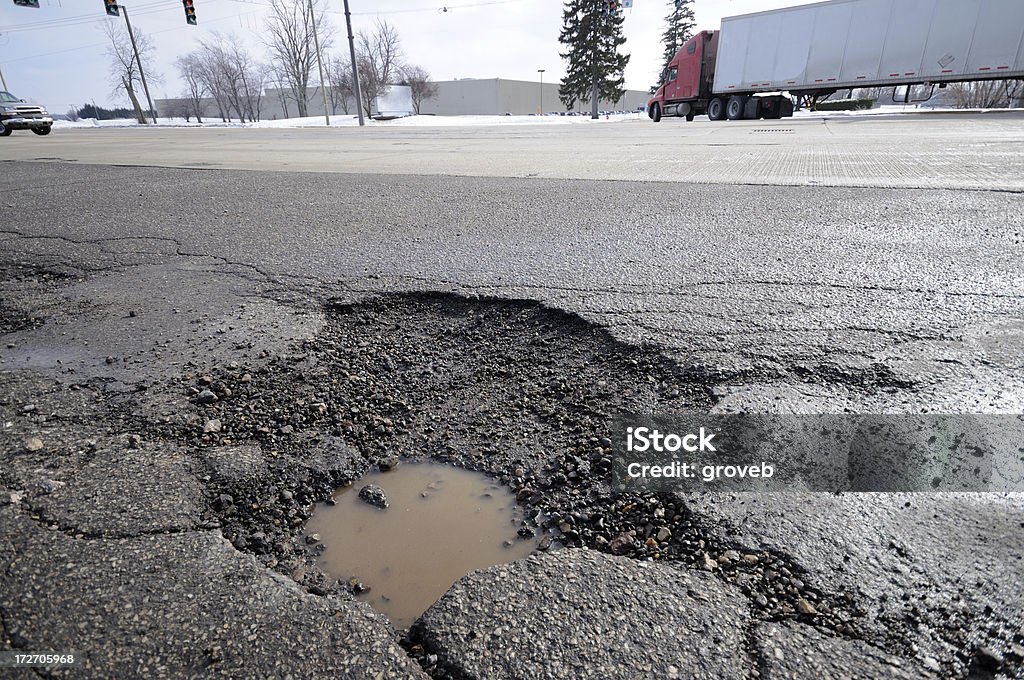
(442, 523)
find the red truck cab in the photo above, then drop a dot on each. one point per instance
(686, 84)
(687, 89)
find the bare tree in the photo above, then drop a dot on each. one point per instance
(215, 75)
(379, 61)
(232, 76)
(986, 94)
(342, 87)
(292, 49)
(191, 68)
(246, 77)
(124, 70)
(278, 79)
(422, 88)
(1015, 93)
(178, 108)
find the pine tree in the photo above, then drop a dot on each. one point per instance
(679, 25)
(592, 35)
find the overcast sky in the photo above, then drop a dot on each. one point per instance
(55, 55)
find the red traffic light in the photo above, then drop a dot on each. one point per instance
(27, 3)
(112, 8)
(190, 12)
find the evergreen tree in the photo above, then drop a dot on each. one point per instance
(592, 33)
(679, 25)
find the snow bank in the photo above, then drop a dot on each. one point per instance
(351, 119)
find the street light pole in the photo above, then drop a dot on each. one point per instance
(319, 62)
(2, 80)
(355, 69)
(541, 72)
(138, 60)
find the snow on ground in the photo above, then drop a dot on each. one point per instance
(351, 119)
(346, 120)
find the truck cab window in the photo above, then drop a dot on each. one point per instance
(672, 74)
(691, 46)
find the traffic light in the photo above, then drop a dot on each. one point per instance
(190, 12)
(27, 3)
(112, 8)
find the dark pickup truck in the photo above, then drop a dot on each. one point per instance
(17, 114)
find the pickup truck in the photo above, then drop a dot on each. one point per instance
(17, 114)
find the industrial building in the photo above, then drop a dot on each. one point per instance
(467, 96)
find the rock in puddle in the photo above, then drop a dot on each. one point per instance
(374, 495)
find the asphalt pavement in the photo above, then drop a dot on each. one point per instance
(401, 272)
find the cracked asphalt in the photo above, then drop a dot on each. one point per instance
(134, 531)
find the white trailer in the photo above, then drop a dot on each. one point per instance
(860, 43)
(394, 102)
(817, 49)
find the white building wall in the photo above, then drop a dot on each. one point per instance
(487, 97)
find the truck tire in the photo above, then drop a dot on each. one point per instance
(45, 130)
(656, 112)
(5, 132)
(716, 109)
(689, 117)
(735, 108)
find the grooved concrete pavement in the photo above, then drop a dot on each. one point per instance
(952, 151)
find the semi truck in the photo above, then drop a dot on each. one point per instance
(753, 66)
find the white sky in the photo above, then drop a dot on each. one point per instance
(64, 65)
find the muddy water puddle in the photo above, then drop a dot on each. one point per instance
(441, 523)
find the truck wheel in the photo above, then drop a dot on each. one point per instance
(5, 132)
(45, 130)
(734, 110)
(689, 117)
(716, 109)
(656, 112)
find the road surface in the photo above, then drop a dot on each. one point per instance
(867, 266)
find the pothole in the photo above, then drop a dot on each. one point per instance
(509, 388)
(440, 523)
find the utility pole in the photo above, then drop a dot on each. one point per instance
(319, 62)
(355, 69)
(138, 60)
(541, 111)
(2, 80)
(602, 11)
